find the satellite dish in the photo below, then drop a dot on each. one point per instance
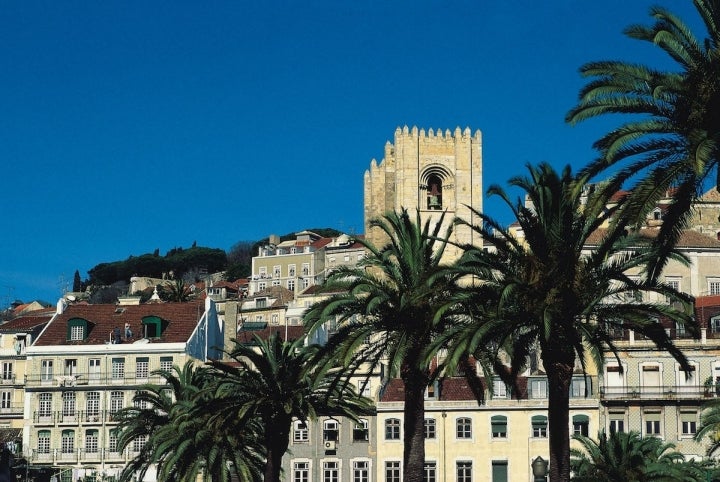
(71, 297)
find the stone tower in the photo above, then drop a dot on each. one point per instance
(434, 172)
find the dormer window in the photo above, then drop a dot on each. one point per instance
(152, 326)
(77, 329)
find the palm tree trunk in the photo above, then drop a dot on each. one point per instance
(415, 381)
(559, 369)
(277, 438)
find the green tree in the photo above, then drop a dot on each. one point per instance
(272, 382)
(177, 439)
(77, 282)
(558, 283)
(710, 425)
(177, 291)
(628, 457)
(391, 307)
(671, 131)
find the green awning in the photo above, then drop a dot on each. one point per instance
(253, 325)
(581, 419)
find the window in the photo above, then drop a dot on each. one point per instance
(434, 189)
(67, 442)
(70, 367)
(331, 430)
(276, 282)
(650, 379)
(578, 387)
(166, 363)
(652, 422)
(139, 442)
(331, 471)
(94, 369)
(45, 404)
(46, 370)
(274, 319)
(301, 472)
(581, 425)
(7, 371)
(142, 366)
(117, 401)
(291, 270)
(361, 471)
(538, 388)
(300, 432)
(715, 324)
(261, 303)
(43, 443)
(363, 387)
(6, 400)
(305, 282)
(392, 471)
(392, 429)
(499, 471)
(430, 474)
(262, 286)
(688, 423)
(141, 403)
(93, 404)
(291, 284)
(713, 286)
(113, 440)
(276, 271)
(430, 428)
(431, 392)
(498, 426)
(118, 368)
(360, 432)
(539, 426)
(68, 404)
(76, 329)
(305, 269)
(76, 333)
(499, 389)
(463, 469)
(91, 441)
(617, 422)
(463, 428)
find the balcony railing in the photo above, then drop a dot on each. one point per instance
(91, 379)
(81, 455)
(664, 392)
(77, 417)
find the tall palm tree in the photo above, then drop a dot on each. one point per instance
(177, 440)
(270, 383)
(628, 457)
(559, 282)
(672, 136)
(390, 308)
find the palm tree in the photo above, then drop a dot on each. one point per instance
(176, 437)
(710, 425)
(390, 308)
(672, 136)
(558, 283)
(628, 457)
(270, 383)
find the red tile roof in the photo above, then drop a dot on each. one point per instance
(688, 239)
(450, 389)
(24, 323)
(181, 319)
(294, 332)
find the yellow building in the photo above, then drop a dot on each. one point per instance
(495, 440)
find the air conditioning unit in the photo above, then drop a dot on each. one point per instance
(330, 445)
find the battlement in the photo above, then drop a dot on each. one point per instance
(435, 135)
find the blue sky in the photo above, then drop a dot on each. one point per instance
(131, 126)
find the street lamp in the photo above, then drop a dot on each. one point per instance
(539, 469)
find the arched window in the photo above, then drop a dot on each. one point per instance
(434, 192)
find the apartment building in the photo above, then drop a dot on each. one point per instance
(87, 364)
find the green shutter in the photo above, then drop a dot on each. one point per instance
(499, 471)
(539, 421)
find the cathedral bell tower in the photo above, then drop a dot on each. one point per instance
(432, 172)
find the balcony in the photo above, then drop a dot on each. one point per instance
(78, 417)
(91, 380)
(81, 456)
(665, 392)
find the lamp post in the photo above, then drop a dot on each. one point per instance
(539, 469)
